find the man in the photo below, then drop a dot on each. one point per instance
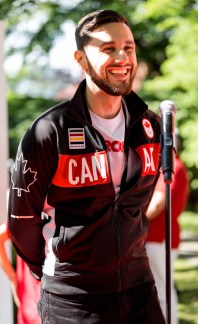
(84, 174)
(156, 239)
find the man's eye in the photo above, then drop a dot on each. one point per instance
(108, 49)
(128, 49)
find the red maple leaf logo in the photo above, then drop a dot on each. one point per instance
(22, 183)
(147, 124)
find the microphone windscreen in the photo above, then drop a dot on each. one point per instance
(167, 106)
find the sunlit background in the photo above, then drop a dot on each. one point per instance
(40, 71)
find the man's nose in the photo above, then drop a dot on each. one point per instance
(121, 56)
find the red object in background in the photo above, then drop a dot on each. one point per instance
(180, 192)
(29, 292)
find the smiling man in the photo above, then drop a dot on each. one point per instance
(109, 61)
(84, 174)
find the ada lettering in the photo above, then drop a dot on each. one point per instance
(149, 154)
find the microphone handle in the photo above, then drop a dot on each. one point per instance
(167, 139)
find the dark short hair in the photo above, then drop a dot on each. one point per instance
(94, 20)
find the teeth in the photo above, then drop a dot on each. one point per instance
(124, 71)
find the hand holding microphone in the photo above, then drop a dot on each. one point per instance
(167, 110)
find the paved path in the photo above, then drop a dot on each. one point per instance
(189, 247)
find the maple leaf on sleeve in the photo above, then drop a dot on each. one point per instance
(22, 182)
(147, 124)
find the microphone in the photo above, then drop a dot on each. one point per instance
(167, 110)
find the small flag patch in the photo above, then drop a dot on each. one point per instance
(76, 138)
(148, 128)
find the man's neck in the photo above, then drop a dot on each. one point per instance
(102, 104)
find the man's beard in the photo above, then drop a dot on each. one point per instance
(124, 88)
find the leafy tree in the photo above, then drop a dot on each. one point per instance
(51, 15)
(22, 111)
(178, 76)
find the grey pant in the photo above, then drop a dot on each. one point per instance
(139, 305)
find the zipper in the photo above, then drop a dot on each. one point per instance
(119, 245)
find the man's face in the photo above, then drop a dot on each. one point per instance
(110, 60)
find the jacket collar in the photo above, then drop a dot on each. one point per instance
(78, 110)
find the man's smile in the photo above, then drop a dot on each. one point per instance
(119, 72)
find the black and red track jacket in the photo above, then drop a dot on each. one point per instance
(64, 219)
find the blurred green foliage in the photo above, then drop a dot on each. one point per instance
(187, 287)
(186, 272)
(22, 111)
(166, 34)
(189, 222)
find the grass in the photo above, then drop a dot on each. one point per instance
(189, 222)
(186, 276)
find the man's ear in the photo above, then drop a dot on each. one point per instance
(81, 59)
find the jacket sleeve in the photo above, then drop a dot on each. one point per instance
(35, 165)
